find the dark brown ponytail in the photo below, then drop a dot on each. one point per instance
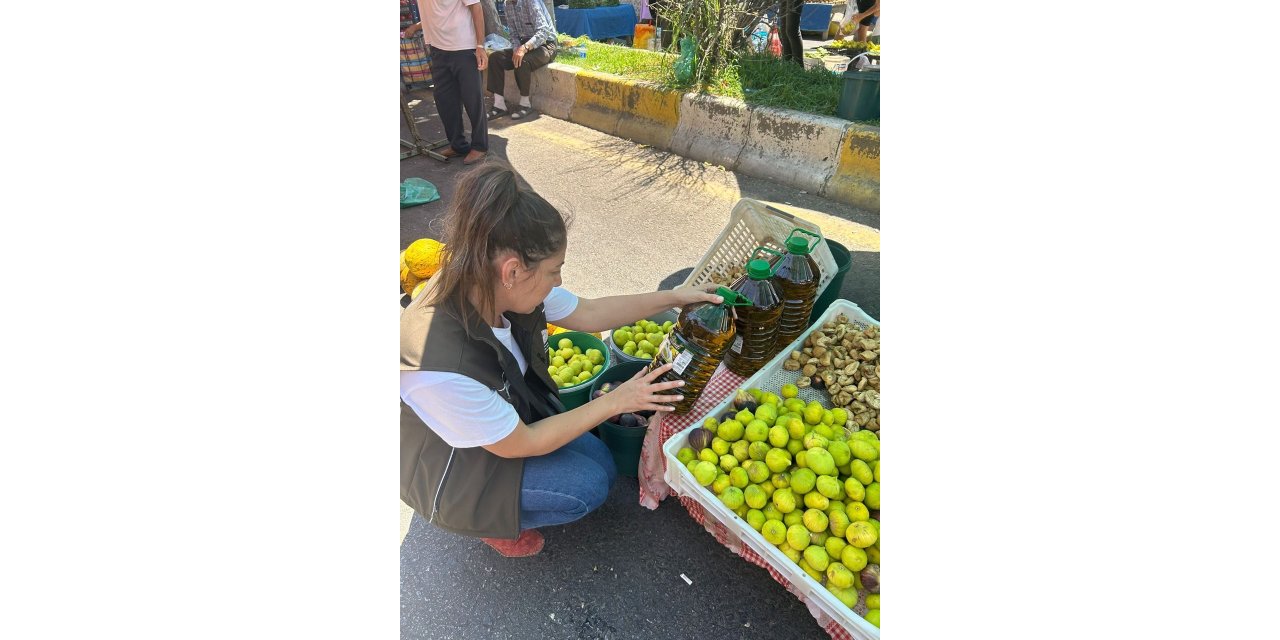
(492, 211)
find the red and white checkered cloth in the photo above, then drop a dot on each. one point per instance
(653, 487)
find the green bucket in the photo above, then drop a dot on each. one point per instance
(623, 442)
(832, 292)
(859, 94)
(577, 395)
(615, 349)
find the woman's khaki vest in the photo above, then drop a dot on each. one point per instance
(470, 491)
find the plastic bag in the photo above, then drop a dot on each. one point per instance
(684, 66)
(495, 42)
(416, 191)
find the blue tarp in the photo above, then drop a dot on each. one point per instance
(598, 23)
(815, 17)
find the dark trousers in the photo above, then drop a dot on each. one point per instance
(789, 30)
(500, 62)
(457, 80)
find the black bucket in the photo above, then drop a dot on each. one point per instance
(832, 292)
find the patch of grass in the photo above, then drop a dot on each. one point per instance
(771, 82)
(638, 64)
(758, 79)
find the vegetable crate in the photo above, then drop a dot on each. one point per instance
(822, 604)
(753, 224)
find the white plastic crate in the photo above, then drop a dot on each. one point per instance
(753, 224)
(772, 376)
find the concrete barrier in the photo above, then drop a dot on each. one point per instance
(554, 90)
(650, 115)
(798, 149)
(711, 129)
(599, 101)
(857, 176)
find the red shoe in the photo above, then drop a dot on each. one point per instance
(528, 544)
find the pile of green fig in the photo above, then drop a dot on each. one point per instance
(809, 484)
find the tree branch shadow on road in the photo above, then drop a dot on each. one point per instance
(646, 169)
(667, 172)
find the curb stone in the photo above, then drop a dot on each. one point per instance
(828, 156)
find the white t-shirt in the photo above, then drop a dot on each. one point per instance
(462, 411)
(447, 24)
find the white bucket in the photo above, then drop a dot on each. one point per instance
(836, 64)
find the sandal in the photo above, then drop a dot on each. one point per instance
(495, 113)
(521, 112)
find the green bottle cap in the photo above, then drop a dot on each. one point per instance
(732, 298)
(798, 245)
(758, 269)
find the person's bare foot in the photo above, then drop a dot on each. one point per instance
(473, 157)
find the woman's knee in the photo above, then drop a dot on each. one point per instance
(595, 449)
(596, 487)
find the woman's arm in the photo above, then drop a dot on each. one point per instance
(546, 435)
(602, 314)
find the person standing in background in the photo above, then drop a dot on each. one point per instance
(454, 29)
(789, 30)
(867, 15)
(534, 40)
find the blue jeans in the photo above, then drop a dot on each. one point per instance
(566, 484)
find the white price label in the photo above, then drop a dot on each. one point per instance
(682, 361)
(737, 344)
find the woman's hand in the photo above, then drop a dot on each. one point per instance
(699, 293)
(412, 30)
(641, 393)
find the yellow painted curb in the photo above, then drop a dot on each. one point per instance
(651, 115)
(626, 108)
(599, 101)
(857, 176)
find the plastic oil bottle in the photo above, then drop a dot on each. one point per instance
(796, 274)
(697, 344)
(757, 325)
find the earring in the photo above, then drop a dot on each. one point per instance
(507, 285)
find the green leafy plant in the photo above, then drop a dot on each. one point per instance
(716, 27)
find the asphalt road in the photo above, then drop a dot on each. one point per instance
(642, 219)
